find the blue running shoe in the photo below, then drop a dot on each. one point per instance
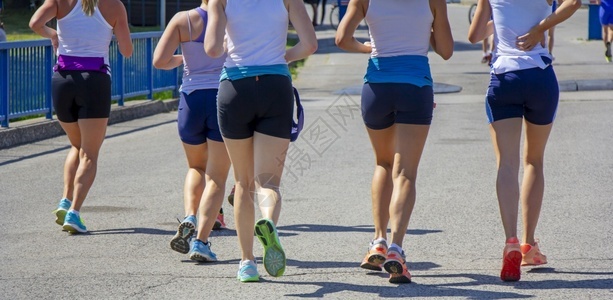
(60, 212)
(248, 271)
(202, 251)
(73, 223)
(274, 256)
(180, 242)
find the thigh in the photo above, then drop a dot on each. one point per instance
(236, 108)
(504, 97)
(275, 102)
(269, 154)
(64, 97)
(94, 95)
(377, 107)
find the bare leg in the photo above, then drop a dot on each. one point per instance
(506, 135)
(533, 183)
(92, 136)
(216, 174)
(194, 179)
(381, 185)
(314, 6)
(410, 141)
(72, 159)
(241, 156)
(269, 153)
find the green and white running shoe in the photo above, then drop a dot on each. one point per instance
(274, 256)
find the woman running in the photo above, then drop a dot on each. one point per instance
(206, 154)
(81, 88)
(255, 108)
(397, 105)
(523, 89)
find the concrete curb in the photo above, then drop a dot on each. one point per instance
(585, 85)
(37, 130)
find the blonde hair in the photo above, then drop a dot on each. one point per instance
(205, 2)
(89, 6)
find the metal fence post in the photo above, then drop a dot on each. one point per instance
(48, 76)
(121, 76)
(150, 67)
(4, 87)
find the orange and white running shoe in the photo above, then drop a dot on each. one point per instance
(396, 265)
(511, 260)
(532, 256)
(376, 255)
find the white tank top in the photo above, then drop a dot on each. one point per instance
(84, 36)
(256, 32)
(514, 18)
(399, 27)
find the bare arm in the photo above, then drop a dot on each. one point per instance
(441, 38)
(44, 14)
(307, 43)
(215, 29)
(122, 31)
(164, 55)
(536, 35)
(481, 27)
(356, 11)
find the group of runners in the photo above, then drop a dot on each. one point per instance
(237, 105)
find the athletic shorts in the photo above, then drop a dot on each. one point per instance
(262, 103)
(81, 95)
(606, 16)
(532, 94)
(384, 104)
(197, 117)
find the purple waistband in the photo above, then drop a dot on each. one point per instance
(76, 63)
(297, 127)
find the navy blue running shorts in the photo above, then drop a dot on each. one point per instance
(197, 117)
(384, 104)
(532, 94)
(81, 95)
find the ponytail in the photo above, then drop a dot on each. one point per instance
(89, 6)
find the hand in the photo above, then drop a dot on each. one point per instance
(529, 40)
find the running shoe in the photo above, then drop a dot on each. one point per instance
(274, 256)
(396, 265)
(202, 251)
(231, 196)
(607, 53)
(219, 222)
(511, 261)
(180, 242)
(248, 271)
(61, 210)
(531, 255)
(73, 223)
(376, 255)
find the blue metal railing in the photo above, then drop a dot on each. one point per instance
(26, 71)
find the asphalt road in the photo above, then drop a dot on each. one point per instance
(454, 240)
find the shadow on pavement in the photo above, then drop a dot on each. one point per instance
(137, 230)
(357, 228)
(67, 147)
(397, 291)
